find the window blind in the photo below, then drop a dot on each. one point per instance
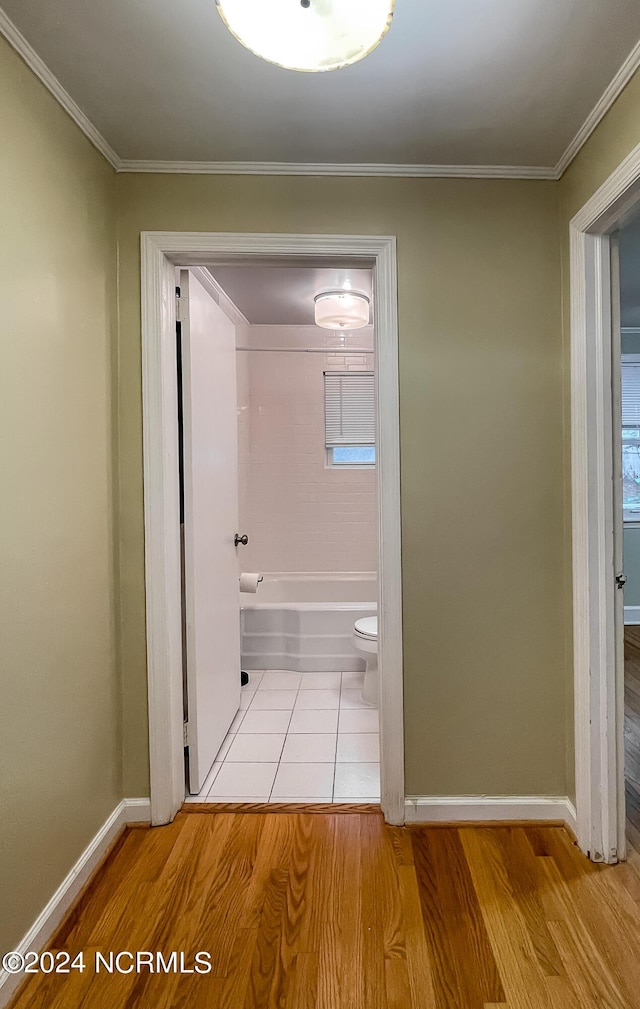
(630, 395)
(349, 401)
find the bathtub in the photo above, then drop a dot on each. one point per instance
(304, 622)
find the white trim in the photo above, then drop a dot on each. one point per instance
(614, 200)
(482, 808)
(632, 615)
(358, 170)
(630, 331)
(126, 812)
(600, 109)
(16, 39)
(598, 694)
(136, 810)
(162, 534)
(161, 251)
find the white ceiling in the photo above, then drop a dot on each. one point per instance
(276, 295)
(455, 82)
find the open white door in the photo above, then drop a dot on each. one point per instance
(618, 540)
(212, 600)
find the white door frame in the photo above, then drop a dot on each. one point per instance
(161, 253)
(598, 692)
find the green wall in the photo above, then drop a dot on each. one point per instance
(485, 469)
(482, 455)
(615, 137)
(60, 749)
(484, 378)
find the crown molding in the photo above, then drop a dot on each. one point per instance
(600, 109)
(353, 170)
(42, 72)
(130, 166)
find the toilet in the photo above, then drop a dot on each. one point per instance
(365, 642)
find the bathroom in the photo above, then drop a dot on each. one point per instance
(307, 729)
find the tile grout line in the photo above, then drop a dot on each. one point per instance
(275, 777)
(335, 755)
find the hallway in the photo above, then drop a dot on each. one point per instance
(338, 910)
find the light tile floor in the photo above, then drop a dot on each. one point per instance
(298, 737)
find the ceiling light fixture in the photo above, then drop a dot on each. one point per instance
(341, 310)
(308, 35)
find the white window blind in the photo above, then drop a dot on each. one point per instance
(350, 415)
(630, 394)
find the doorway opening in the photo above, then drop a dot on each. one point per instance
(162, 253)
(626, 264)
(277, 431)
(598, 489)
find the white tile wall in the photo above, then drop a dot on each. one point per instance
(299, 514)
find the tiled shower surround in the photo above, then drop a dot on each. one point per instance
(299, 515)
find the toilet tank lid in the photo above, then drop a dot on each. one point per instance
(367, 627)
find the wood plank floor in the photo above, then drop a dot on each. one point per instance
(632, 732)
(340, 911)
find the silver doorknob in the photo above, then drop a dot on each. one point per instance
(241, 539)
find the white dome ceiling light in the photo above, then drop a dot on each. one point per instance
(308, 35)
(341, 310)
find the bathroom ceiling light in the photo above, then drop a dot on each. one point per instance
(341, 310)
(308, 35)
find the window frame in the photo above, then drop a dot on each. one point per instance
(630, 519)
(329, 449)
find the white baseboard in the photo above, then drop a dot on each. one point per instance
(126, 812)
(632, 614)
(136, 811)
(461, 808)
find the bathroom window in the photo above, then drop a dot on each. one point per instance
(631, 437)
(354, 455)
(350, 418)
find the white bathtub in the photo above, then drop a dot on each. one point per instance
(305, 622)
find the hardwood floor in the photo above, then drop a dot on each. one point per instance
(632, 732)
(340, 911)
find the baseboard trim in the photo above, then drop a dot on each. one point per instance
(486, 808)
(632, 614)
(136, 811)
(127, 812)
